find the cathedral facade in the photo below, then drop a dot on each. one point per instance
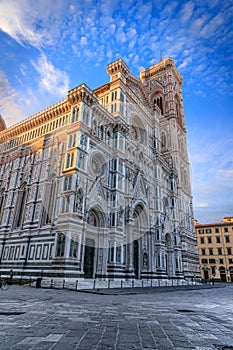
(98, 184)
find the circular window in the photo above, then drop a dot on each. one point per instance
(98, 164)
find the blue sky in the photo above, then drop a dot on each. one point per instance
(49, 47)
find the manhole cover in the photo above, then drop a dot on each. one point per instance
(185, 310)
(11, 313)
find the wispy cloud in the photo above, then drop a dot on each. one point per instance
(29, 23)
(187, 11)
(9, 101)
(51, 79)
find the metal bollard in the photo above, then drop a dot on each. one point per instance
(76, 287)
(109, 283)
(63, 284)
(121, 284)
(94, 284)
(51, 284)
(132, 284)
(142, 283)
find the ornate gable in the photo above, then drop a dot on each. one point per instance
(140, 189)
(140, 91)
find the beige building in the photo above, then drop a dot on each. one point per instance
(98, 184)
(215, 249)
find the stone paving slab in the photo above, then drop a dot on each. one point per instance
(184, 318)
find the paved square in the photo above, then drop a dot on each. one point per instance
(150, 318)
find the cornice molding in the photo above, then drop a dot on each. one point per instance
(36, 120)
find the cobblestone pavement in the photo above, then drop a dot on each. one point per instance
(165, 319)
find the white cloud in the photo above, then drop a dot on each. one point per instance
(212, 26)
(187, 11)
(36, 23)
(9, 101)
(202, 205)
(17, 19)
(227, 172)
(51, 79)
(83, 41)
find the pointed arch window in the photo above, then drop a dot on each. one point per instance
(20, 206)
(2, 202)
(49, 202)
(158, 100)
(163, 140)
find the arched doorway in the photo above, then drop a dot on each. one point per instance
(206, 274)
(139, 231)
(95, 221)
(222, 272)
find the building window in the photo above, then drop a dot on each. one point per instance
(213, 270)
(21, 200)
(159, 102)
(208, 230)
(72, 140)
(227, 238)
(83, 142)
(220, 261)
(219, 251)
(203, 251)
(230, 261)
(75, 113)
(114, 95)
(209, 240)
(118, 254)
(218, 239)
(110, 252)
(2, 201)
(202, 240)
(201, 231)
(112, 219)
(229, 251)
(49, 202)
(81, 160)
(217, 230)
(211, 251)
(225, 229)
(69, 160)
(212, 261)
(204, 261)
(67, 183)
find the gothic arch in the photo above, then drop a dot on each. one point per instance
(20, 205)
(157, 98)
(96, 217)
(138, 129)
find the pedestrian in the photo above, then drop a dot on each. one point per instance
(11, 275)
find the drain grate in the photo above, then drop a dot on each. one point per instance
(11, 313)
(223, 347)
(184, 310)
